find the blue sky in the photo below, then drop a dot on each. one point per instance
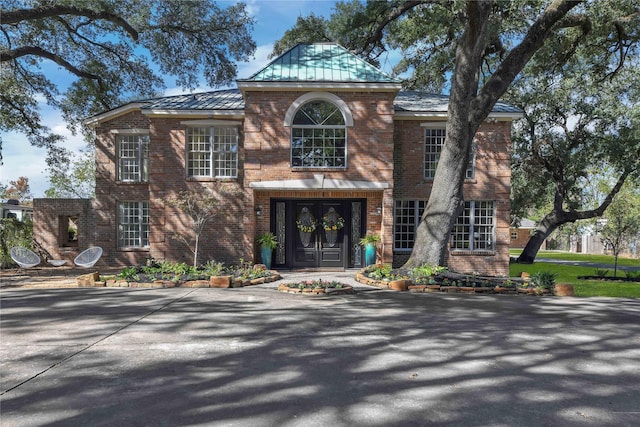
(273, 18)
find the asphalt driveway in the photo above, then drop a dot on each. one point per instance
(257, 357)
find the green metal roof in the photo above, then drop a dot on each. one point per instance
(320, 62)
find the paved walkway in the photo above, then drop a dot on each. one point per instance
(257, 357)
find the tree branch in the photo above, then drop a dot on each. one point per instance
(499, 82)
(19, 15)
(607, 201)
(37, 51)
(376, 36)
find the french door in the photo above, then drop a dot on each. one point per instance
(320, 233)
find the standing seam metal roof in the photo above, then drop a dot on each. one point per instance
(320, 62)
(231, 99)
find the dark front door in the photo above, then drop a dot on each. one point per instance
(319, 233)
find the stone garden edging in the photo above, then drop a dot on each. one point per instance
(408, 285)
(93, 280)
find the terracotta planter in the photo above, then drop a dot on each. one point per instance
(399, 285)
(564, 290)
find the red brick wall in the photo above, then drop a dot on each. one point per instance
(522, 238)
(491, 182)
(369, 154)
(264, 155)
(167, 178)
(49, 226)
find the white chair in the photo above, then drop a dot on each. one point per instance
(88, 257)
(24, 257)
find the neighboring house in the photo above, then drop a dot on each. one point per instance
(520, 235)
(317, 132)
(13, 209)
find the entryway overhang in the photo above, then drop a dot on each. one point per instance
(319, 182)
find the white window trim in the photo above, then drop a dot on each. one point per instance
(307, 127)
(211, 123)
(417, 220)
(118, 236)
(434, 125)
(443, 125)
(451, 250)
(313, 96)
(140, 159)
(212, 127)
(472, 231)
(133, 131)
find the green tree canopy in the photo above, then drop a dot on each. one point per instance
(578, 126)
(476, 50)
(114, 50)
(622, 222)
(73, 176)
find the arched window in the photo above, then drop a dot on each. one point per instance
(318, 136)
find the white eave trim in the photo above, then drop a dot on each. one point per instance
(319, 182)
(211, 122)
(266, 86)
(132, 131)
(95, 120)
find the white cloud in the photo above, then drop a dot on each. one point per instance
(23, 159)
(260, 59)
(253, 8)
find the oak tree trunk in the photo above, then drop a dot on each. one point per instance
(550, 222)
(558, 216)
(446, 199)
(467, 109)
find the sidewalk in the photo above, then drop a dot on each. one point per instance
(257, 357)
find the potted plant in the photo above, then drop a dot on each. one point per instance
(370, 244)
(268, 242)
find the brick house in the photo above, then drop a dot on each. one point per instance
(316, 133)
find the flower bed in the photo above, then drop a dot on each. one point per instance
(168, 275)
(437, 279)
(316, 287)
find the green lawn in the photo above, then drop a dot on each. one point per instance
(570, 274)
(571, 256)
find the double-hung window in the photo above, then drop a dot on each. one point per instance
(474, 229)
(133, 224)
(319, 136)
(212, 152)
(407, 217)
(132, 158)
(434, 137)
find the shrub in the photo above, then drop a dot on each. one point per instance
(14, 233)
(544, 280)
